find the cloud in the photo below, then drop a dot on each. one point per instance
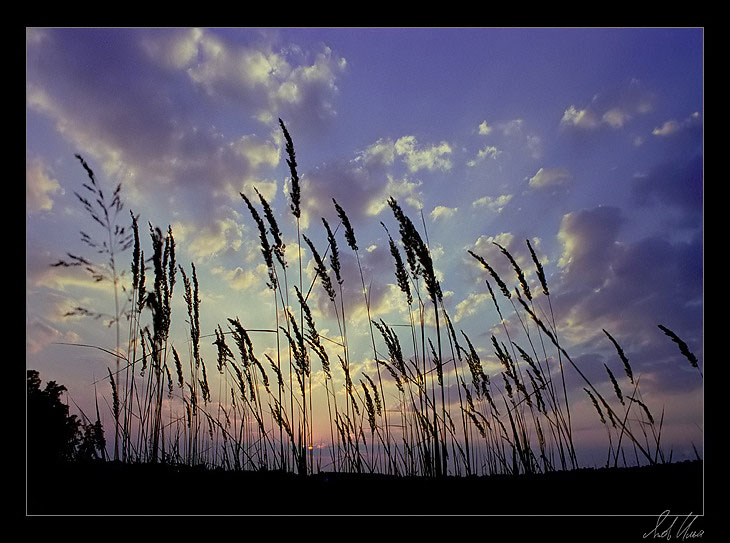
(443, 212)
(40, 186)
(614, 108)
(470, 305)
(175, 51)
(627, 289)
(493, 204)
(271, 82)
(484, 129)
(403, 190)
(213, 238)
(363, 185)
(550, 178)
(490, 151)
(257, 151)
(486, 248)
(380, 153)
(615, 117)
(672, 127)
(39, 335)
(243, 279)
(159, 137)
(434, 157)
(678, 184)
(510, 137)
(412, 154)
(580, 118)
(588, 239)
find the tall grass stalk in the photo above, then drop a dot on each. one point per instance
(118, 240)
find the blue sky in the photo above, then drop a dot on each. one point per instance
(587, 141)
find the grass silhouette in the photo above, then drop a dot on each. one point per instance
(405, 424)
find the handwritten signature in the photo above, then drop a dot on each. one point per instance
(669, 526)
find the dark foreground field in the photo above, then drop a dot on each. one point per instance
(115, 489)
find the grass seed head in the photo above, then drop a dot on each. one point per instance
(349, 232)
(502, 285)
(622, 356)
(295, 192)
(616, 388)
(683, 348)
(539, 269)
(518, 270)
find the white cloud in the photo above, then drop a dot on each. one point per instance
(614, 109)
(513, 127)
(414, 155)
(581, 118)
(39, 335)
(174, 51)
(256, 151)
(241, 279)
(470, 305)
(667, 129)
(615, 117)
(443, 212)
(515, 245)
(551, 177)
(400, 189)
(493, 204)
(272, 82)
(215, 64)
(484, 129)
(511, 135)
(39, 187)
(490, 151)
(205, 241)
(588, 238)
(534, 145)
(66, 279)
(431, 158)
(672, 126)
(381, 153)
(143, 138)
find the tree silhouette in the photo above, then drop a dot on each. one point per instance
(53, 435)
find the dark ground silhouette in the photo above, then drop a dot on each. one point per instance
(109, 488)
(68, 475)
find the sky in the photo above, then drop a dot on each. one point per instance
(586, 141)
